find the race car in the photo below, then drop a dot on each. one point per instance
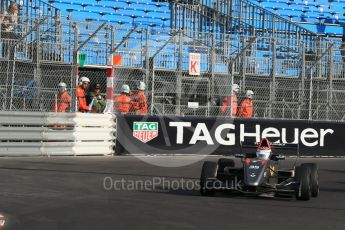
(260, 174)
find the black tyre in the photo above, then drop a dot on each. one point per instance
(302, 175)
(223, 163)
(314, 178)
(209, 170)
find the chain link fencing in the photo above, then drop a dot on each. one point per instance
(291, 79)
(30, 69)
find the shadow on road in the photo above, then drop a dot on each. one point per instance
(90, 172)
(239, 199)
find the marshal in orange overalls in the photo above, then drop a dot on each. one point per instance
(140, 102)
(62, 102)
(227, 101)
(123, 103)
(246, 109)
(82, 106)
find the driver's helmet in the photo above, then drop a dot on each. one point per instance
(263, 154)
(264, 150)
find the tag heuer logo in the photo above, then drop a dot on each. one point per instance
(145, 131)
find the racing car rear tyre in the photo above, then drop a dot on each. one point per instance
(209, 170)
(224, 162)
(314, 178)
(302, 175)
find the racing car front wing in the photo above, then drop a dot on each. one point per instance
(286, 187)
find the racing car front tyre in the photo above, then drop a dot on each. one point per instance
(314, 178)
(223, 163)
(209, 170)
(302, 175)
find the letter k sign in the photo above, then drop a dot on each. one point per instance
(193, 66)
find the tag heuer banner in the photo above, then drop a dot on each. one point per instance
(195, 135)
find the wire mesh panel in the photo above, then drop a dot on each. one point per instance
(27, 83)
(130, 77)
(261, 86)
(51, 74)
(287, 98)
(164, 92)
(221, 88)
(96, 76)
(290, 78)
(28, 88)
(130, 43)
(94, 40)
(337, 100)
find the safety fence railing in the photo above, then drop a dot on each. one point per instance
(234, 17)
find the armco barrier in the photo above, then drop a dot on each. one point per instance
(192, 135)
(34, 133)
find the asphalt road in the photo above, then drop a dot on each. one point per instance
(110, 193)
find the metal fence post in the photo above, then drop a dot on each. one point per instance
(147, 62)
(243, 62)
(273, 79)
(213, 65)
(319, 55)
(37, 75)
(75, 70)
(152, 90)
(12, 71)
(232, 83)
(301, 90)
(330, 87)
(112, 41)
(310, 114)
(179, 76)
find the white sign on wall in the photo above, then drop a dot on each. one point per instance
(193, 105)
(194, 64)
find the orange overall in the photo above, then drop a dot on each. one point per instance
(246, 108)
(123, 103)
(82, 106)
(227, 101)
(62, 102)
(140, 102)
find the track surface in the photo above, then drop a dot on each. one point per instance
(68, 193)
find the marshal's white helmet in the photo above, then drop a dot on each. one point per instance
(141, 85)
(62, 84)
(235, 88)
(84, 79)
(125, 89)
(249, 94)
